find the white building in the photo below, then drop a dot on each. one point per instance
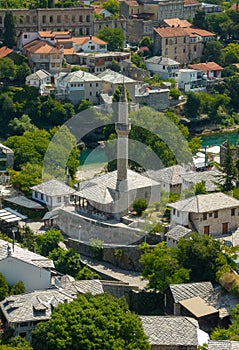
(78, 86)
(84, 44)
(163, 66)
(169, 178)
(52, 193)
(18, 264)
(41, 80)
(190, 79)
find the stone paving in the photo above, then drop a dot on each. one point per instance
(131, 277)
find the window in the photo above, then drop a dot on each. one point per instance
(166, 42)
(25, 36)
(195, 48)
(0, 19)
(58, 199)
(216, 214)
(58, 19)
(174, 211)
(88, 18)
(204, 216)
(175, 50)
(210, 215)
(175, 40)
(43, 19)
(96, 84)
(27, 19)
(51, 19)
(73, 19)
(184, 40)
(206, 230)
(233, 211)
(42, 196)
(80, 19)
(87, 31)
(92, 47)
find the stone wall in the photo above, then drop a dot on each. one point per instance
(82, 228)
(159, 99)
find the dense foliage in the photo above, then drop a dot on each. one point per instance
(193, 260)
(114, 37)
(9, 34)
(91, 322)
(230, 333)
(5, 289)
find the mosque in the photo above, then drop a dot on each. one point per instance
(101, 204)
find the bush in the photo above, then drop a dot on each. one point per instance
(140, 205)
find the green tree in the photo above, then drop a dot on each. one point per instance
(114, 37)
(231, 53)
(195, 144)
(17, 288)
(199, 19)
(213, 51)
(91, 322)
(112, 6)
(27, 238)
(84, 104)
(175, 93)
(4, 289)
(140, 205)
(30, 175)
(20, 125)
(231, 333)
(161, 267)
(17, 343)
(22, 72)
(9, 34)
(66, 261)
(192, 106)
(200, 188)
(7, 69)
(48, 241)
(229, 170)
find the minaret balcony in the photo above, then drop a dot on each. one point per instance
(122, 127)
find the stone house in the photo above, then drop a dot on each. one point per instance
(48, 36)
(78, 20)
(159, 98)
(212, 178)
(190, 8)
(101, 11)
(128, 8)
(213, 214)
(78, 86)
(42, 55)
(17, 264)
(170, 332)
(181, 44)
(138, 28)
(212, 70)
(175, 234)
(178, 292)
(163, 66)
(111, 80)
(41, 80)
(52, 193)
(169, 178)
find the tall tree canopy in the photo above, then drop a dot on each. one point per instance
(195, 259)
(9, 34)
(91, 322)
(114, 37)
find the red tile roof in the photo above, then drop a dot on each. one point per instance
(205, 67)
(81, 40)
(132, 2)
(39, 47)
(5, 51)
(191, 2)
(51, 34)
(170, 32)
(70, 51)
(176, 22)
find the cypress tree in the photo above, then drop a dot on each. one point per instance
(9, 30)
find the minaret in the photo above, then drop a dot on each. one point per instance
(122, 128)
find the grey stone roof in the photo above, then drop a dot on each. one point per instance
(38, 75)
(205, 203)
(101, 188)
(189, 290)
(114, 77)
(24, 255)
(78, 76)
(212, 178)
(178, 232)
(171, 330)
(170, 175)
(162, 60)
(223, 345)
(33, 306)
(53, 188)
(75, 288)
(25, 202)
